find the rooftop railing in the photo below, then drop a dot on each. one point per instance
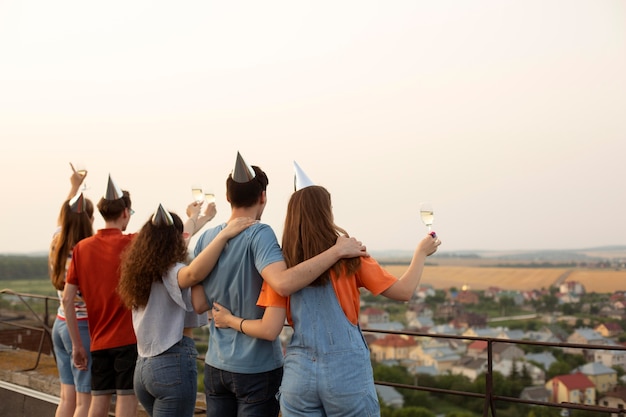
(32, 312)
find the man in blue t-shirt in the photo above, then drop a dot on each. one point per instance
(242, 374)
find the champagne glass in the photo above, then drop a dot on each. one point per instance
(427, 214)
(209, 196)
(196, 192)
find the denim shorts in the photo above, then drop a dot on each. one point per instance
(68, 373)
(112, 370)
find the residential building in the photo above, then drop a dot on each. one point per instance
(610, 329)
(571, 388)
(616, 398)
(392, 346)
(611, 358)
(390, 396)
(603, 377)
(535, 394)
(544, 359)
(469, 367)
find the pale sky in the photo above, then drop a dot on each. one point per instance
(508, 115)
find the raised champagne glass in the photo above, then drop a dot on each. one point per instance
(197, 194)
(428, 215)
(209, 195)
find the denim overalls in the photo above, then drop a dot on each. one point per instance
(327, 364)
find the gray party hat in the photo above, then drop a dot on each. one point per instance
(162, 217)
(77, 203)
(300, 180)
(243, 172)
(113, 191)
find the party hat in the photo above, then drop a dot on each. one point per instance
(242, 172)
(162, 217)
(300, 180)
(77, 203)
(113, 191)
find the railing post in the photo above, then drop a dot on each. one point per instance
(489, 401)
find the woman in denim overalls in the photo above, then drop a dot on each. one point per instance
(327, 365)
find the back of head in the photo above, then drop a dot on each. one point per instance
(111, 210)
(153, 250)
(246, 194)
(75, 226)
(310, 230)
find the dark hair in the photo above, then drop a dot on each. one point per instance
(74, 227)
(151, 253)
(113, 209)
(246, 194)
(310, 230)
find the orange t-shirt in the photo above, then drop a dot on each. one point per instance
(370, 276)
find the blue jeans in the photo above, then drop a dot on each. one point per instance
(230, 394)
(68, 373)
(166, 384)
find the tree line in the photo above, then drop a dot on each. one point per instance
(14, 267)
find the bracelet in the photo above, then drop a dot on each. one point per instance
(241, 326)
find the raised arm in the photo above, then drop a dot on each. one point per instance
(76, 180)
(405, 287)
(287, 281)
(268, 327)
(200, 267)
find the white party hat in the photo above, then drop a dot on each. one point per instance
(300, 180)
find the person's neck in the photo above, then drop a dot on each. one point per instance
(253, 212)
(114, 225)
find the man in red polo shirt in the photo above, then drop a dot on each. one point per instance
(95, 271)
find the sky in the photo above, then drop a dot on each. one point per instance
(509, 116)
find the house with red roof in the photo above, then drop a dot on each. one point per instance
(609, 329)
(477, 348)
(393, 347)
(572, 388)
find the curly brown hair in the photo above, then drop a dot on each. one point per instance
(152, 252)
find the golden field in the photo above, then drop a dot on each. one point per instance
(480, 278)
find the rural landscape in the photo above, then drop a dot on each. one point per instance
(547, 296)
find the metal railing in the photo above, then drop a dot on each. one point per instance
(490, 397)
(44, 327)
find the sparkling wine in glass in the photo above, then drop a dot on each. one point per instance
(427, 214)
(196, 192)
(209, 196)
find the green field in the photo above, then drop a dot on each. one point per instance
(30, 286)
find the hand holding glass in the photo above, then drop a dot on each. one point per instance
(81, 169)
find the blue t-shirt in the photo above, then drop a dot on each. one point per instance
(235, 283)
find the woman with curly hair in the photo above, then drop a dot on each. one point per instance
(155, 283)
(74, 224)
